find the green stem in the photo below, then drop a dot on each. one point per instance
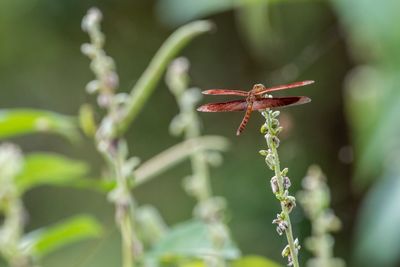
(199, 185)
(202, 173)
(13, 226)
(289, 231)
(198, 160)
(127, 245)
(147, 82)
(175, 154)
(125, 217)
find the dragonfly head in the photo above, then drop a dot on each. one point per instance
(258, 87)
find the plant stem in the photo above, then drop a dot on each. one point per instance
(125, 216)
(121, 111)
(201, 173)
(175, 154)
(147, 82)
(198, 160)
(12, 208)
(127, 246)
(114, 150)
(208, 208)
(289, 231)
(315, 200)
(280, 184)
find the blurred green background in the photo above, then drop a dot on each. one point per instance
(351, 127)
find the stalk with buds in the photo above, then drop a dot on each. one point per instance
(280, 184)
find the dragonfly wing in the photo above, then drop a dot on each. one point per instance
(275, 102)
(225, 92)
(284, 86)
(235, 105)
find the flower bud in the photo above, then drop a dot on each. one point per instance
(88, 50)
(275, 113)
(270, 160)
(91, 19)
(278, 130)
(290, 203)
(263, 129)
(282, 224)
(268, 138)
(276, 141)
(274, 123)
(286, 183)
(93, 86)
(274, 185)
(286, 251)
(263, 153)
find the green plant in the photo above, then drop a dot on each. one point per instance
(280, 184)
(209, 208)
(315, 200)
(20, 173)
(146, 239)
(121, 110)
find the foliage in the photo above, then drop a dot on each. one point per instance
(339, 42)
(189, 240)
(315, 199)
(372, 106)
(209, 209)
(45, 240)
(14, 122)
(18, 174)
(49, 169)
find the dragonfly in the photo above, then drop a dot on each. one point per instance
(255, 99)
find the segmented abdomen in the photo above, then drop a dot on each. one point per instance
(245, 118)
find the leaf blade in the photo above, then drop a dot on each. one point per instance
(17, 122)
(49, 169)
(46, 240)
(189, 240)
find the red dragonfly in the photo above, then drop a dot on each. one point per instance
(254, 100)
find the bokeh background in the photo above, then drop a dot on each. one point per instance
(351, 127)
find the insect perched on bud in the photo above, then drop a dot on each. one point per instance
(254, 100)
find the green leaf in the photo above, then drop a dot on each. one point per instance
(49, 169)
(95, 184)
(44, 241)
(378, 235)
(254, 261)
(247, 261)
(193, 264)
(189, 239)
(15, 122)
